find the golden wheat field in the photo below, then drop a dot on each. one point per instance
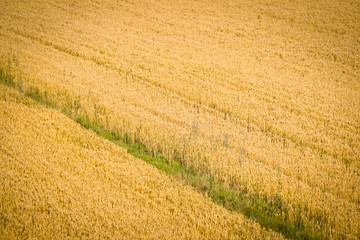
(262, 95)
(60, 181)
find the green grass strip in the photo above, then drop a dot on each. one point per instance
(266, 213)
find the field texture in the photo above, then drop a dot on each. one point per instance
(61, 181)
(264, 96)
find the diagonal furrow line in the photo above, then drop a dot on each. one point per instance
(192, 101)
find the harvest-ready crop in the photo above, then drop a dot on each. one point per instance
(263, 96)
(59, 181)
